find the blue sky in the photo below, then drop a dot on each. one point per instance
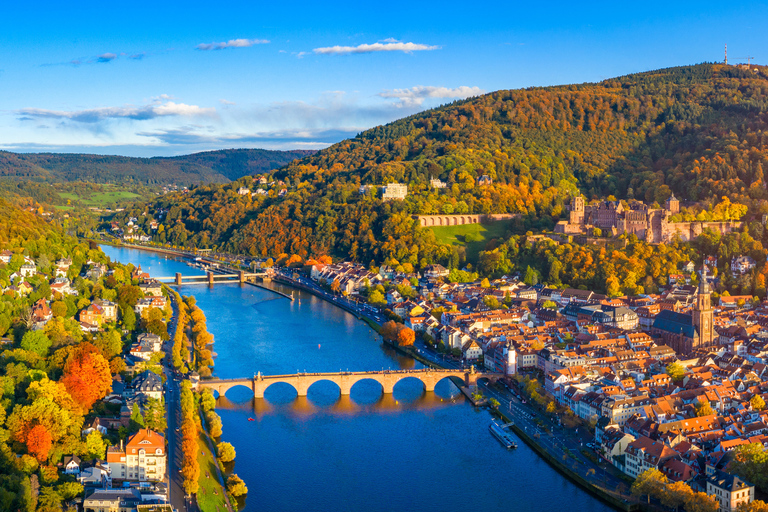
(167, 78)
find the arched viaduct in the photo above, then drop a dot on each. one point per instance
(301, 382)
(458, 220)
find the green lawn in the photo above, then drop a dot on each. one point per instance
(99, 198)
(455, 235)
(210, 495)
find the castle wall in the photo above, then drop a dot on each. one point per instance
(687, 231)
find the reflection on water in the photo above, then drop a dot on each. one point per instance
(366, 398)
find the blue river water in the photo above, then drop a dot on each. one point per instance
(412, 450)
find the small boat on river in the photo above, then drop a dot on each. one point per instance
(501, 433)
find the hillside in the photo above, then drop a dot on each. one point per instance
(700, 131)
(212, 166)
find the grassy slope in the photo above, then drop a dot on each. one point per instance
(99, 199)
(209, 480)
(454, 235)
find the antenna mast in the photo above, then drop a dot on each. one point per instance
(726, 54)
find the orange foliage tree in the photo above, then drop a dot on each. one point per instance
(39, 442)
(87, 376)
(405, 337)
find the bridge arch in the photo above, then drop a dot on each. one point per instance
(242, 392)
(320, 383)
(276, 385)
(365, 381)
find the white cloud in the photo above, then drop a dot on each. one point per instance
(106, 57)
(94, 115)
(232, 43)
(415, 96)
(388, 46)
(227, 102)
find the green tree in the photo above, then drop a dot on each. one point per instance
(137, 420)
(95, 447)
(750, 461)
(676, 371)
(531, 277)
(37, 342)
(154, 415)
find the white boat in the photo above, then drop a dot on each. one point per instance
(500, 432)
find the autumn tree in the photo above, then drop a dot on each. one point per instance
(757, 403)
(650, 483)
(235, 486)
(703, 408)
(39, 442)
(59, 309)
(226, 451)
(87, 376)
(389, 330)
(405, 337)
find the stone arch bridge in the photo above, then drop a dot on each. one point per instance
(301, 382)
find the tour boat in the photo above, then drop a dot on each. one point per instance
(499, 432)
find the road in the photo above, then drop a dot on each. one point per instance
(173, 411)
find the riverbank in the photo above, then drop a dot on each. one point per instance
(306, 347)
(569, 473)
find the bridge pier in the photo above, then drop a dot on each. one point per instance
(258, 389)
(210, 278)
(178, 278)
(242, 277)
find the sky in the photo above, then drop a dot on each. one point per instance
(169, 78)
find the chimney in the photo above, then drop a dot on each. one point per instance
(121, 445)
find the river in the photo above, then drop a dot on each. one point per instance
(365, 452)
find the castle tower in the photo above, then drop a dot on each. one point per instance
(673, 205)
(577, 210)
(703, 315)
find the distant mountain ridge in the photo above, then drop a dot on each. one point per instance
(207, 167)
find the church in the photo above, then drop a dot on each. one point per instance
(686, 332)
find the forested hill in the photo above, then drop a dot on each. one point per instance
(700, 131)
(696, 130)
(212, 166)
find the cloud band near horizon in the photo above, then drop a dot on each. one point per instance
(375, 47)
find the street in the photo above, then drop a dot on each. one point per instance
(173, 412)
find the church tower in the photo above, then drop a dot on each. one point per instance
(703, 316)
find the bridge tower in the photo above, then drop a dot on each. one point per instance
(210, 278)
(178, 278)
(242, 276)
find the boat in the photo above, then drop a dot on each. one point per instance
(500, 432)
(251, 419)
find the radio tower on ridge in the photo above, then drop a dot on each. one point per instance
(726, 54)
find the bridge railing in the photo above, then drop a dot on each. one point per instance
(337, 374)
